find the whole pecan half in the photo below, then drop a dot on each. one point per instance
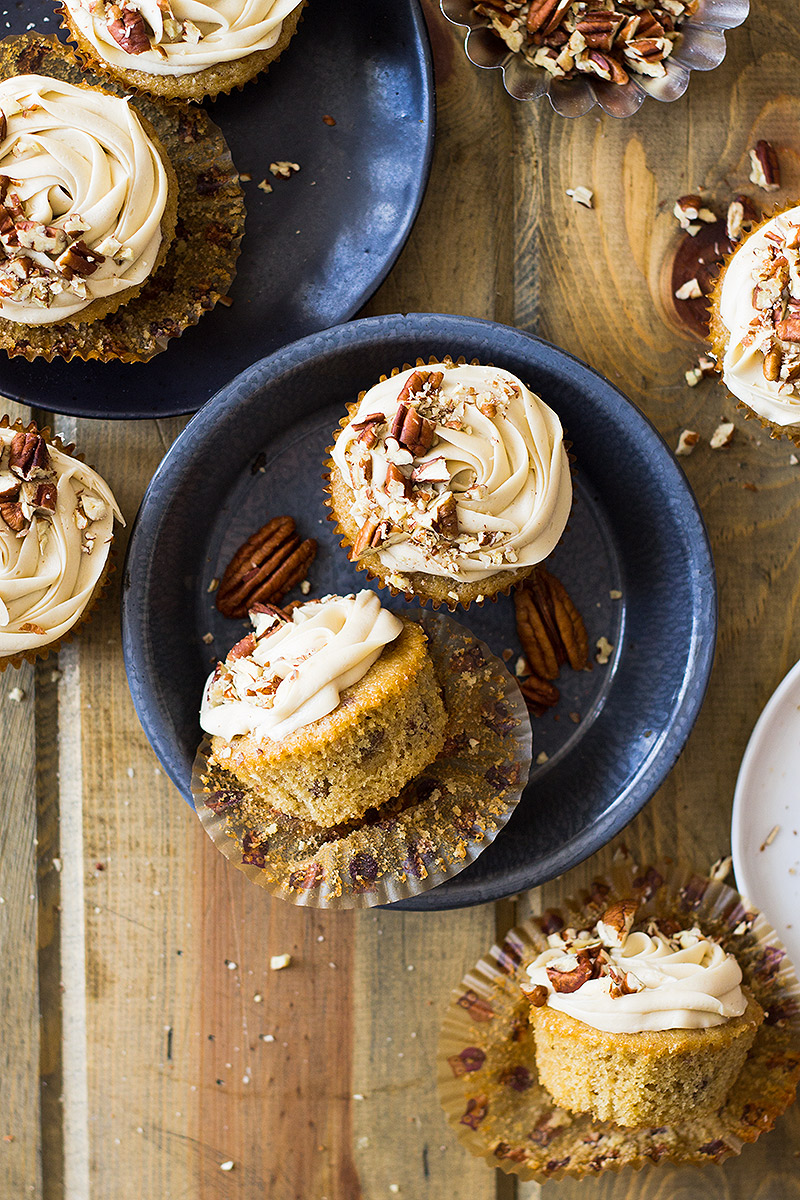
(271, 562)
(127, 28)
(28, 456)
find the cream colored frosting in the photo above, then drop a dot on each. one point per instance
(684, 981)
(197, 33)
(81, 165)
(752, 333)
(499, 450)
(296, 670)
(49, 570)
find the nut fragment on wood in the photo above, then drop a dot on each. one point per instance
(269, 564)
(687, 442)
(581, 195)
(765, 169)
(722, 435)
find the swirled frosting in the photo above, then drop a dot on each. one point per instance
(82, 193)
(179, 37)
(56, 526)
(760, 307)
(458, 471)
(287, 674)
(630, 982)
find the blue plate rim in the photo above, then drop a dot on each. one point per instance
(664, 754)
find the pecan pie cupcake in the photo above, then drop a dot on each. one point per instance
(182, 49)
(450, 482)
(754, 324)
(642, 1027)
(327, 713)
(56, 529)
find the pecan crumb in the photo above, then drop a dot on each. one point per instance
(722, 435)
(604, 651)
(581, 195)
(687, 442)
(284, 170)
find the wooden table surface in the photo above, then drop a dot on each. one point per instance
(145, 1040)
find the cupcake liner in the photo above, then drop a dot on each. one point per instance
(221, 79)
(440, 822)
(200, 263)
(718, 334)
(43, 652)
(488, 1085)
(512, 578)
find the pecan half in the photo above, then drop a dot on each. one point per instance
(28, 456)
(128, 30)
(773, 362)
(271, 562)
(413, 432)
(539, 694)
(550, 627)
(599, 28)
(368, 429)
(369, 536)
(417, 381)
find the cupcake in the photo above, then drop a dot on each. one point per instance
(754, 324)
(327, 713)
(119, 223)
(182, 50)
(642, 1027)
(450, 482)
(56, 528)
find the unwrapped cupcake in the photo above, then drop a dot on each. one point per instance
(640, 1026)
(755, 324)
(182, 49)
(56, 528)
(450, 482)
(327, 713)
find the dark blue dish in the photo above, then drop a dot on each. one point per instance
(258, 451)
(316, 247)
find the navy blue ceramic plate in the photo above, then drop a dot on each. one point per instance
(635, 559)
(317, 246)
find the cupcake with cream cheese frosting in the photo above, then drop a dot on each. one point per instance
(450, 482)
(642, 1027)
(754, 324)
(327, 713)
(182, 49)
(56, 528)
(120, 219)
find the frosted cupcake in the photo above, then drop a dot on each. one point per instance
(644, 1027)
(89, 202)
(450, 482)
(328, 713)
(56, 528)
(755, 324)
(182, 49)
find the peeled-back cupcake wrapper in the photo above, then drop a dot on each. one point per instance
(201, 261)
(442, 820)
(42, 652)
(345, 542)
(488, 1085)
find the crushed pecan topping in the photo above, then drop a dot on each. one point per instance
(571, 976)
(12, 514)
(551, 633)
(765, 169)
(28, 456)
(568, 38)
(269, 564)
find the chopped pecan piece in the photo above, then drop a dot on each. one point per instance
(538, 995)
(242, 648)
(271, 562)
(619, 917)
(413, 432)
(788, 330)
(369, 536)
(78, 259)
(11, 512)
(368, 429)
(446, 522)
(40, 496)
(572, 980)
(128, 30)
(396, 484)
(765, 169)
(28, 456)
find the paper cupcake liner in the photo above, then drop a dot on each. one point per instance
(718, 334)
(209, 83)
(512, 579)
(42, 652)
(440, 822)
(487, 1077)
(201, 262)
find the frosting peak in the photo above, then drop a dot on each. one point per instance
(290, 673)
(458, 471)
(630, 982)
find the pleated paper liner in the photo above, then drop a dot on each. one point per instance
(52, 647)
(478, 592)
(221, 79)
(201, 262)
(486, 1068)
(440, 822)
(718, 335)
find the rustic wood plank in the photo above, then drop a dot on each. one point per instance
(20, 1147)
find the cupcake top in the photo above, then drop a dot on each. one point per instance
(458, 471)
(624, 981)
(56, 527)
(178, 37)
(759, 304)
(82, 193)
(290, 672)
